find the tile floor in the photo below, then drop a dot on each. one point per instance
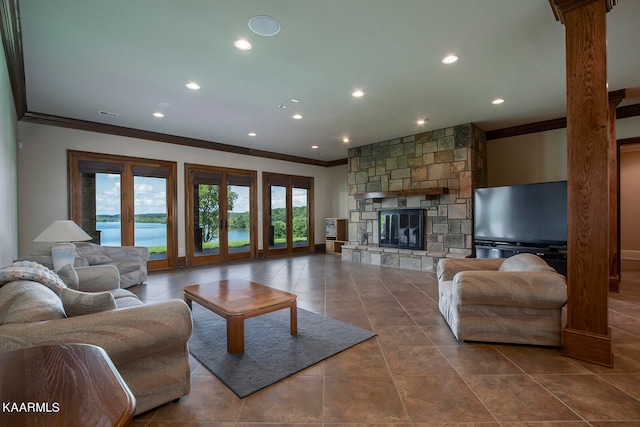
(414, 373)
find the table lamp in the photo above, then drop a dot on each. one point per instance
(62, 232)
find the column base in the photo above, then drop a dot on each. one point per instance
(587, 346)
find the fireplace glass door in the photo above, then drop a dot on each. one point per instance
(401, 228)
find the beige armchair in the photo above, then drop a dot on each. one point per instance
(513, 300)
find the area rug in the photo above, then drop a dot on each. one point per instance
(271, 353)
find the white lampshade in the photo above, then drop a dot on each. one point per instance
(62, 231)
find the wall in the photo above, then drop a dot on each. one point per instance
(452, 158)
(8, 171)
(542, 157)
(526, 159)
(630, 201)
(538, 157)
(42, 177)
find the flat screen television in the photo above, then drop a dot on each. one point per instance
(530, 214)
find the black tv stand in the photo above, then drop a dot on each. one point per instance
(554, 255)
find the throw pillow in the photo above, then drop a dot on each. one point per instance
(27, 270)
(69, 276)
(525, 262)
(23, 301)
(78, 303)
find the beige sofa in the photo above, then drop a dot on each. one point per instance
(146, 342)
(513, 300)
(131, 261)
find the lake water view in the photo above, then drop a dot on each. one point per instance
(150, 234)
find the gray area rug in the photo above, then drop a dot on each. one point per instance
(271, 353)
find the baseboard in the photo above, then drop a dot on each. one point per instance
(630, 255)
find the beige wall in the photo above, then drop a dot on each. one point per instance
(42, 167)
(8, 171)
(537, 157)
(630, 201)
(542, 157)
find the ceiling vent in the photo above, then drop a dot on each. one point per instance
(108, 113)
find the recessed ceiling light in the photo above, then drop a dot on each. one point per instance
(283, 106)
(420, 122)
(158, 114)
(497, 101)
(345, 140)
(242, 44)
(450, 59)
(357, 94)
(295, 100)
(297, 116)
(252, 134)
(193, 86)
(264, 25)
(315, 147)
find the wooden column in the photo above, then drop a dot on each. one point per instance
(587, 335)
(615, 98)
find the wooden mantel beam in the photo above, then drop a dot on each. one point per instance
(587, 335)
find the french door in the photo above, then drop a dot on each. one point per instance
(125, 201)
(287, 214)
(221, 214)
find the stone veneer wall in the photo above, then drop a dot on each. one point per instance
(453, 158)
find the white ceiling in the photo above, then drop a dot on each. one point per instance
(128, 56)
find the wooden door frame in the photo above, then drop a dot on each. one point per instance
(190, 258)
(266, 208)
(74, 184)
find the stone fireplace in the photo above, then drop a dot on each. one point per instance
(436, 172)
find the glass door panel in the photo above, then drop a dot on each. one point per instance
(300, 199)
(150, 215)
(278, 217)
(107, 207)
(206, 236)
(238, 218)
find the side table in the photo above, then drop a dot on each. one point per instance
(63, 385)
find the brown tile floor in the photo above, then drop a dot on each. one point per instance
(414, 373)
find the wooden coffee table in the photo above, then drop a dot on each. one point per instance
(239, 299)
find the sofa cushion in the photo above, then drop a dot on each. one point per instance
(525, 262)
(125, 298)
(69, 276)
(78, 303)
(97, 259)
(23, 301)
(27, 270)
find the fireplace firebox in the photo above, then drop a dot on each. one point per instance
(401, 228)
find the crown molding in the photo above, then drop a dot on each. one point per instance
(559, 123)
(12, 42)
(65, 122)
